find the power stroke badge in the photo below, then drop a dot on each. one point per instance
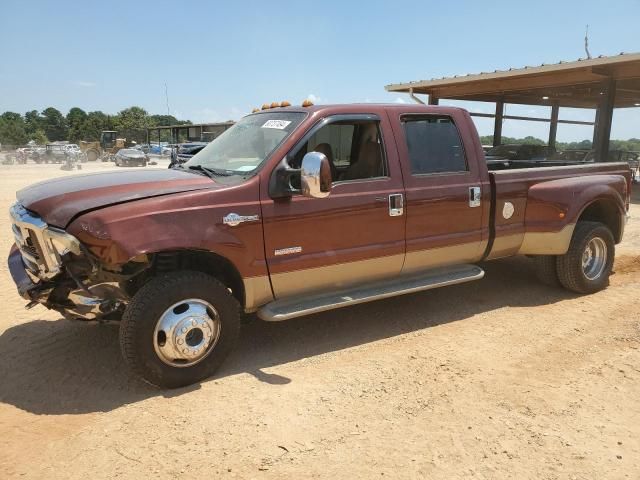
(233, 219)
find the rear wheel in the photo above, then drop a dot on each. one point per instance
(586, 267)
(179, 328)
(546, 269)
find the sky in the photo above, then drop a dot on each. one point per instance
(220, 59)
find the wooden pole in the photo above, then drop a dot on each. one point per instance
(553, 126)
(604, 117)
(497, 125)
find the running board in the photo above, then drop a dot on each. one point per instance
(300, 305)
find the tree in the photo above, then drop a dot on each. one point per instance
(76, 120)
(39, 137)
(166, 120)
(12, 130)
(131, 123)
(95, 123)
(33, 122)
(54, 124)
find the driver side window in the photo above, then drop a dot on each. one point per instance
(354, 149)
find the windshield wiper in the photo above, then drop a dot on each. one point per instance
(210, 172)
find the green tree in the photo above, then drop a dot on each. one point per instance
(54, 124)
(131, 123)
(95, 123)
(39, 137)
(76, 120)
(12, 130)
(33, 122)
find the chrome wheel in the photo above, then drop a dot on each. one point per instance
(594, 258)
(186, 332)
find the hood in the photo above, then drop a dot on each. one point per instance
(59, 200)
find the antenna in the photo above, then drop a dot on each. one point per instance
(166, 95)
(586, 42)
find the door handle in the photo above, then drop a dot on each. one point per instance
(475, 195)
(396, 205)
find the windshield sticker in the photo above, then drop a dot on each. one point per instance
(277, 124)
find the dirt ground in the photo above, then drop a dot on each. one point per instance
(501, 378)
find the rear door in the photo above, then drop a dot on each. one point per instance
(353, 236)
(447, 201)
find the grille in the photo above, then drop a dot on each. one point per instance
(27, 230)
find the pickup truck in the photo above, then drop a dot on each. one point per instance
(297, 210)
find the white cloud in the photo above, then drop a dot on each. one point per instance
(315, 98)
(400, 100)
(84, 84)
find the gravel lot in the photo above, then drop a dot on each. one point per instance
(501, 378)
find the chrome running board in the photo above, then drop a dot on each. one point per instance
(299, 306)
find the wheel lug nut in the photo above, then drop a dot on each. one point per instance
(180, 341)
(184, 329)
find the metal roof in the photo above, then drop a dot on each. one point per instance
(191, 125)
(571, 84)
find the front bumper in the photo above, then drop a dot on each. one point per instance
(18, 272)
(73, 301)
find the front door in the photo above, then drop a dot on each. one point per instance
(352, 236)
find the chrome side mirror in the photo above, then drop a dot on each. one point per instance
(315, 175)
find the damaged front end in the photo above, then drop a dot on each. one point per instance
(52, 268)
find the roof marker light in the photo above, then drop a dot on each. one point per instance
(307, 103)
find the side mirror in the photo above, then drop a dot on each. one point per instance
(315, 175)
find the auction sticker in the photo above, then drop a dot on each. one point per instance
(277, 124)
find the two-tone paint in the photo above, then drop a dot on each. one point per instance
(299, 245)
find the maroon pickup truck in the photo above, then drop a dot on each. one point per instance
(299, 210)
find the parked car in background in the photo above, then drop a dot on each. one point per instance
(570, 155)
(22, 154)
(55, 153)
(184, 151)
(144, 147)
(37, 154)
(73, 152)
(518, 152)
(615, 156)
(131, 157)
(161, 149)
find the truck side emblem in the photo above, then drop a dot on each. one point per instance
(233, 219)
(287, 251)
(507, 210)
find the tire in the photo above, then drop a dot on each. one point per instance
(571, 272)
(165, 297)
(546, 269)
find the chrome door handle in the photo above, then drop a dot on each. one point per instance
(475, 195)
(396, 205)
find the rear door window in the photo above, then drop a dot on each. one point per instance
(434, 145)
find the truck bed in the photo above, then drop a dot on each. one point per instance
(514, 186)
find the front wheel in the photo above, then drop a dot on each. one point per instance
(586, 267)
(179, 328)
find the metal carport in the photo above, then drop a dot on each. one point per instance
(601, 83)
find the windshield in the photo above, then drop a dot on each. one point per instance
(244, 147)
